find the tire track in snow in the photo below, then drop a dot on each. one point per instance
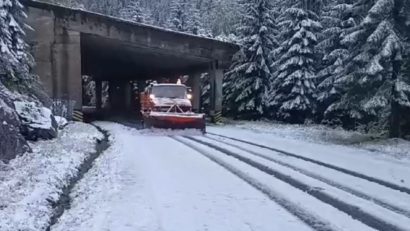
(304, 215)
(313, 175)
(340, 169)
(352, 210)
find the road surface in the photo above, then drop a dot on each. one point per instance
(235, 180)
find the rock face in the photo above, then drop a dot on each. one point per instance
(36, 122)
(12, 143)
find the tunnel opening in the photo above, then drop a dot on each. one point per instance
(115, 73)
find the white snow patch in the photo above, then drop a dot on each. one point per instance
(396, 148)
(34, 116)
(385, 167)
(29, 183)
(61, 121)
(313, 133)
(170, 132)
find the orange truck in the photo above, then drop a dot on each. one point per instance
(169, 106)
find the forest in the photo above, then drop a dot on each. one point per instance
(336, 62)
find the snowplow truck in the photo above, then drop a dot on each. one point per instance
(169, 106)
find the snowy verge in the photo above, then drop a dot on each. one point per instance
(321, 134)
(33, 182)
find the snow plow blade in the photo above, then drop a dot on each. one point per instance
(175, 121)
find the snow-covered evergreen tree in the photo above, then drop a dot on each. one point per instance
(185, 17)
(293, 94)
(246, 84)
(372, 74)
(14, 58)
(336, 19)
(108, 7)
(133, 11)
(178, 18)
(194, 23)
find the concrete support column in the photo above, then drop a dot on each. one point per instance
(41, 40)
(196, 91)
(66, 67)
(98, 94)
(128, 95)
(216, 96)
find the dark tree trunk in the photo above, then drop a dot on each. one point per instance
(395, 106)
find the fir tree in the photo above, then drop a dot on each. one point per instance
(108, 7)
(376, 88)
(337, 19)
(194, 23)
(246, 84)
(134, 12)
(185, 17)
(178, 17)
(293, 86)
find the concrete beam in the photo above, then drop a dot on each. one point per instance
(156, 39)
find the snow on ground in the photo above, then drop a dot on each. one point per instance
(169, 132)
(371, 189)
(315, 209)
(30, 183)
(398, 148)
(368, 205)
(385, 167)
(151, 183)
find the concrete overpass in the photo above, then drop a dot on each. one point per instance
(68, 43)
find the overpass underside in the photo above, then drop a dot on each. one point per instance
(69, 44)
(120, 71)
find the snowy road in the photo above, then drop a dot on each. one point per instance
(158, 182)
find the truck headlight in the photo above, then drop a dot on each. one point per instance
(189, 96)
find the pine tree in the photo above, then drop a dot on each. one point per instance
(337, 19)
(246, 84)
(178, 18)
(293, 86)
(194, 23)
(134, 12)
(108, 7)
(376, 88)
(185, 17)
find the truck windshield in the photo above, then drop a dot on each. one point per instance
(175, 92)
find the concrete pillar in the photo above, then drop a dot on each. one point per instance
(196, 91)
(66, 68)
(128, 96)
(41, 40)
(216, 80)
(98, 94)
